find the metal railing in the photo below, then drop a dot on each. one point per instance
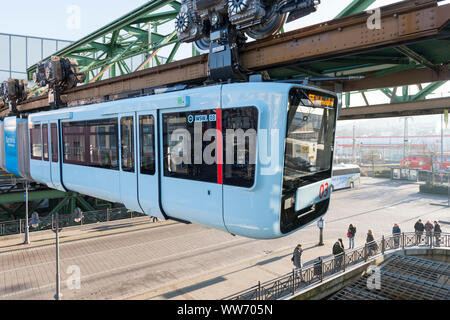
(18, 227)
(323, 269)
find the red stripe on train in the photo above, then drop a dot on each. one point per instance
(219, 150)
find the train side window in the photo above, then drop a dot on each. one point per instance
(74, 142)
(127, 143)
(54, 144)
(35, 142)
(102, 137)
(45, 142)
(190, 145)
(240, 128)
(92, 143)
(147, 144)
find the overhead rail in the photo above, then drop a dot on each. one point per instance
(343, 47)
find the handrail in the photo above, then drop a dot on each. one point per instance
(323, 269)
(10, 228)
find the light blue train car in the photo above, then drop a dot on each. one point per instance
(15, 147)
(251, 159)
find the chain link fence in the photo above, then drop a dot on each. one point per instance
(18, 227)
(323, 269)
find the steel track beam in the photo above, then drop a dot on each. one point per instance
(33, 196)
(343, 37)
(411, 108)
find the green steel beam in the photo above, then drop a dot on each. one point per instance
(428, 90)
(387, 92)
(84, 204)
(32, 196)
(60, 205)
(158, 17)
(420, 59)
(123, 39)
(355, 7)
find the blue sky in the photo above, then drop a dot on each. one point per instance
(48, 18)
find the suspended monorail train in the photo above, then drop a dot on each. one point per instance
(252, 159)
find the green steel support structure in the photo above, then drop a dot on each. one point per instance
(113, 47)
(411, 60)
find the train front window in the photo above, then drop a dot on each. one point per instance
(310, 137)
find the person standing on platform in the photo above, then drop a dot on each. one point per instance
(371, 245)
(351, 236)
(419, 228)
(429, 232)
(437, 233)
(297, 260)
(396, 232)
(338, 252)
(297, 257)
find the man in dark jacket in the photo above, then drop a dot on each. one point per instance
(297, 257)
(396, 232)
(297, 260)
(371, 245)
(437, 233)
(338, 251)
(419, 228)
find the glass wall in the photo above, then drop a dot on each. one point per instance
(17, 53)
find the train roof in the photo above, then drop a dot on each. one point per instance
(149, 102)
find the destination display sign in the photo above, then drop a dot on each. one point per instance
(322, 100)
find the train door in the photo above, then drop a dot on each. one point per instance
(191, 176)
(128, 172)
(147, 165)
(54, 156)
(46, 154)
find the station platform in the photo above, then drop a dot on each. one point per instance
(137, 259)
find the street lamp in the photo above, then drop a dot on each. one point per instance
(321, 226)
(78, 215)
(57, 230)
(34, 223)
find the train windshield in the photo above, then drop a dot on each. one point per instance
(310, 137)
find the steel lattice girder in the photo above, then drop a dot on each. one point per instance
(401, 109)
(340, 47)
(122, 39)
(355, 7)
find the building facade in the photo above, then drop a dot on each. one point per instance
(20, 52)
